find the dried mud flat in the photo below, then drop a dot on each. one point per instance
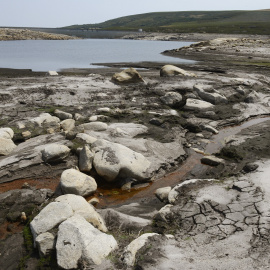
(217, 219)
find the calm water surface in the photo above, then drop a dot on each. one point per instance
(44, 55)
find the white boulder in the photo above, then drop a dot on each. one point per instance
(81, 207)
(6, 133)
(163, 193)
(50, 216)
(75, 182)
(170, 70)
(7, 146)
(45, 119)
(129, 75)
(78, 241)
(68, 124)
(55, 152)
(114, 160)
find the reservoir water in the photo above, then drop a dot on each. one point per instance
(44, 55)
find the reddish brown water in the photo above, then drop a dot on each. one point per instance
(109, 195)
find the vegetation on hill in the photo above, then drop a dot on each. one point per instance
(240, 22)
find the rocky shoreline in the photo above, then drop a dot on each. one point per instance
(25, 34)
(166, 185)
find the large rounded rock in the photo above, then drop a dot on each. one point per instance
(68, 124)
(75, 182)
(6, 146)
(54, 152)
(6, 133)
(81, 207)
(49, 217)
(114, 160)
(62, 115)
(129, 75)
(170, 70)
(78, 241)
(172, 99)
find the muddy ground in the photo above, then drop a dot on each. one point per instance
(237, 69)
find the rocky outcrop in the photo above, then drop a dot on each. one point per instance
(24, 34)
(79, 242)
(212, 97)
(170, 70)
(127, 76)
(75, 182)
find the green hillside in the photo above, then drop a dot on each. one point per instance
(238, 21)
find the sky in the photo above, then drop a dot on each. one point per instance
(59, 13)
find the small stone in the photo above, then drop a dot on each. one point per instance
(26, 134)
(250, 167)
(212, 161)
(94, 201)
(156, 122)
(45, 243)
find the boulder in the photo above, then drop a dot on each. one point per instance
(129, 75)
(85, 138)
(78, 241)
(6, 133)
(214, 98)
(52, 73)
(7, 146)
(170, 70)
(68, 124)
(172, 99)
(163, 193)
(112, 160)
(75, 182)
(95, 126)
(212, 160)
(131, 250)
(62, 115)
(50, 217)
(45, 243)
(45, 120)
(86, 159)
(81, 207)
(196, 104)
(55, 152)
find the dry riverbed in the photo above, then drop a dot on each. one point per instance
(201, 134)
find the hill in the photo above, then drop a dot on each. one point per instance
(237, 21)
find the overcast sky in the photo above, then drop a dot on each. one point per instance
(58, 13)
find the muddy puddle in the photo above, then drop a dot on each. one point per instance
(111, 196)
